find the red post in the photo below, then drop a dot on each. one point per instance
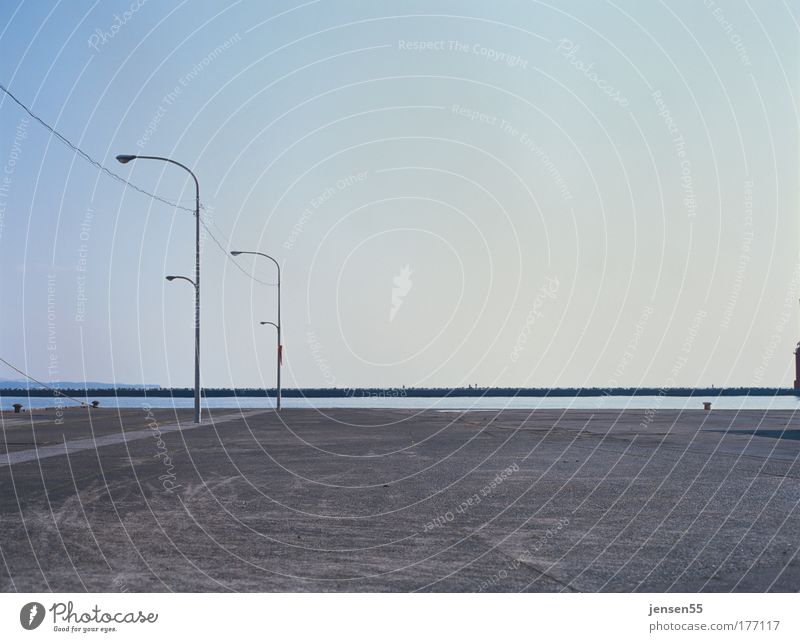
(797, 367)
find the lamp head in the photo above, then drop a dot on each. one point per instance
(171, 278)
(235, 253)
(125, 158)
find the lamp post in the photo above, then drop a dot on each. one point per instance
(197, 400)
(126, 158)
(277, 326)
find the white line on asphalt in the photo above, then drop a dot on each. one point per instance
(92, 443)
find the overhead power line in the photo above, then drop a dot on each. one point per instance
(228, 254)
(88, 158)
(56, 392)
(122, 180)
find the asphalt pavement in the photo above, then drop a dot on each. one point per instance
(400, 500)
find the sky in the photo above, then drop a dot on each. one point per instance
(513, 193)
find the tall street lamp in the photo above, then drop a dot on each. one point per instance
(277, 326)
(126, 158)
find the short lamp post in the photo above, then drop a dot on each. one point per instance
(278, 328)
(197, 357)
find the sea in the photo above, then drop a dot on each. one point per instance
(634, 402)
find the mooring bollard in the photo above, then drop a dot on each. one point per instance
(17, 407)
(706, 405)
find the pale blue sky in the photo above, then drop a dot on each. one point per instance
(559, 227)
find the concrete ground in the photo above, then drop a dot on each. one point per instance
(398, 500)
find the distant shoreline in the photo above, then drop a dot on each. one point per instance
(401, 392)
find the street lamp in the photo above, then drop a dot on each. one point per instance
(194, 285)
(182, 278)
(277, 325)
(127, 158)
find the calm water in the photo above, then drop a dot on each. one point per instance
(435, 403)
